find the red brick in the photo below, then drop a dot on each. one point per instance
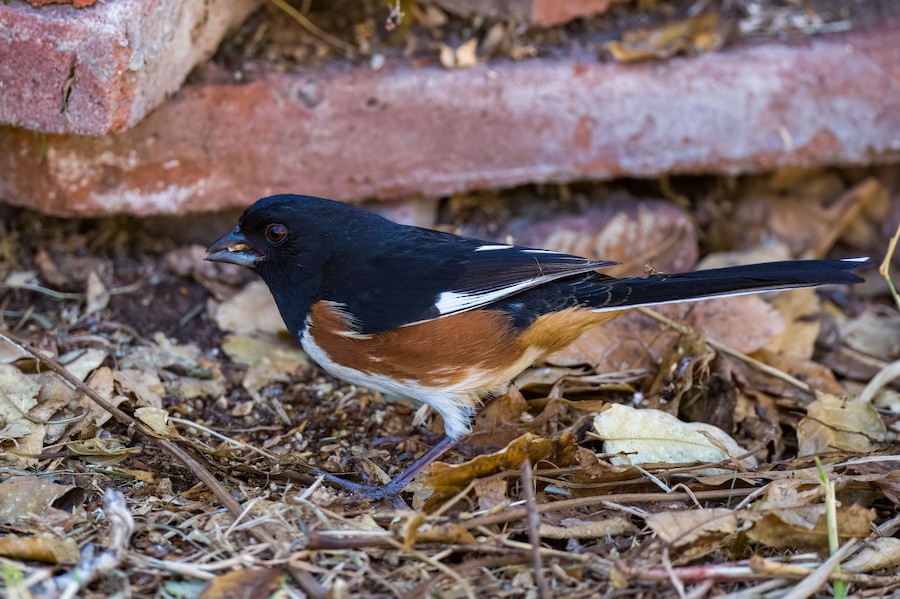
(100, 69)
(403, 132)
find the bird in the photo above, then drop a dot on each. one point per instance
(448, 320)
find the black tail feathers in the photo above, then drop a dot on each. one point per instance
(734, 280)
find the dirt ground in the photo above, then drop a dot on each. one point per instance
(193, 355)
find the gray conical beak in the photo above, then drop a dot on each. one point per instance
(234, 249)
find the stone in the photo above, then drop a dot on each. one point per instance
(101, 69)
(404, 132)
(544, 13)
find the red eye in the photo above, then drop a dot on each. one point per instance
(276, 233)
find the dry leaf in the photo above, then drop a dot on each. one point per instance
(106, 452)
(97, 294)
(46, 548)
(462, 57)
(875, 335)
(774, 530)
(491, 493)
(836, 424)
(575, 528)
(247, 349)
(694, 533)
(558, 451)
(798, 309)
(18, 393)
(251, 310)
(877, 554)
(83, 362)
(158, 420)
(245, 582)
(29, 499)
(658, 437)
(702, 33)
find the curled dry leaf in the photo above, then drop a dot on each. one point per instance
(702, 33)
(251, 310)
(248, 349)
(97, 294)
(245, 582)
(558, 451)
(694, 533)
(791, 514)
(83, 362)
(462, 57)
(774, 530)
(575, 528)
(158, 420)
(45, 547)
(877, 554)
(31, 499)
(875, 335)
(658, 437)
(491, 493)
(106, 451)
(840, 424)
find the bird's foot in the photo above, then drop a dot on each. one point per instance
(390, 491)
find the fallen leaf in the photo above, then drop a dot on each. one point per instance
(652, 436)
(98, 295)
(158, 420)
(694, 533)
(875, 334)
(836, 424)
(462, 57)
(491, 493)
(245, 582)
(877, 554)
(251, 310)
(701, 33)
(18, 393)
(29, 499)
(575, 528)
(106, 452)
(45, 547)
(83, 362)
(558, 451)
(791, 514)
(246, 349)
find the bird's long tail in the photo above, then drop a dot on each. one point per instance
(719, 282)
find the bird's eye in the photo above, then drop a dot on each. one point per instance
(276, 233)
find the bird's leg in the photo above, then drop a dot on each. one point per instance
(393, 488)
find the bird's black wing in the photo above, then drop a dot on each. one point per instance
(418, 275)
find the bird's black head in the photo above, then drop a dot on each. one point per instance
(290, 240)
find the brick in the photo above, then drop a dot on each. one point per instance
(539, 12)
(403, 132)
(101, 69)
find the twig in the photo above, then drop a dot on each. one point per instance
(820, 575)
(762, 366)
(534, 530)
(840, 588)
(887, 374)
(313, 28)
(884, 269)
(184, 457)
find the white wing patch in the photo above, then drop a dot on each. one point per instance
(539, 252)
(488, 248)
(450, 302)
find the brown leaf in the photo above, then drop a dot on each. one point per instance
(45, 548)
(560, 452)
(491, 493)
(694, 533)
(575, 528)
(702, 33)
(246, 582)
(26, 499)
(875, 335)
(877, 554)
(774, 530)
(251, 310)
(835, 424)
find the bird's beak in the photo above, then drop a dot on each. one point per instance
(234, 249)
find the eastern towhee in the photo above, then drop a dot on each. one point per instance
(444, 319)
